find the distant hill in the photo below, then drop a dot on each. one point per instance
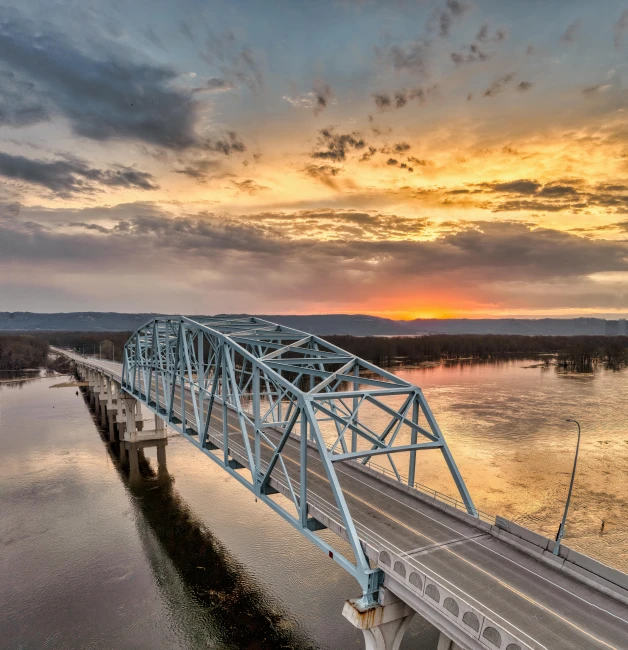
(357, 325)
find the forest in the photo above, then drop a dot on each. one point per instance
(19, 351)
(577, 353)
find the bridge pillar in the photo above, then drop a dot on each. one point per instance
(105, 389)
(133, 430)
(384, 625)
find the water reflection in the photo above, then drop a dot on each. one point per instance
(217, 602)
(17, 378)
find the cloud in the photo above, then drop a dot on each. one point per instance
(392, 161)
(573, 194)
(484, 34)
(303, 100)
(569, 35)
(592, 91)
(386, 102)
(214, 84)
(20, 104)
(326, 174)
(524, 86)
(337, 145)
(322, 95)
(522, 186)
(104, 97)
(470, 54)
(319, 259)
(400, 147)
(418, 161)
(620, 28)
(236, 62)
(453, 9)
(228, 144)
(203, 169)
(498, 85)
(70, 176)
(367, 155)
(413, 59)
(249, 187)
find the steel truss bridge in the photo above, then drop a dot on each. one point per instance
(330, 441)
(296, 384)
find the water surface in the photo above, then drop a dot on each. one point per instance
(104, 546)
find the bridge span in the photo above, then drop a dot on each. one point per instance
(300, 423)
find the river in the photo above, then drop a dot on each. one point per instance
(173, 553)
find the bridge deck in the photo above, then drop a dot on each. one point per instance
(541, 606)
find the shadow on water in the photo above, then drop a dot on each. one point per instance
(212, 596)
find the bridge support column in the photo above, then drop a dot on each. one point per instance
(445, 643)
(133, 431)
(384, 625)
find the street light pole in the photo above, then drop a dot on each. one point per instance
(561, 529)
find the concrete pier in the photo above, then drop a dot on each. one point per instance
(384, 625)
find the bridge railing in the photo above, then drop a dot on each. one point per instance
(441, 496)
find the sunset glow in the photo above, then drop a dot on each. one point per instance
(446, 159)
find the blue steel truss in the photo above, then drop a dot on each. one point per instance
(252, 384)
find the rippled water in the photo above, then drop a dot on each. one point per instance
(505, 426)
(168, 551)
(98, 552)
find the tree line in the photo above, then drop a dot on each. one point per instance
(18, 351)
(578, 353)
(573, 352)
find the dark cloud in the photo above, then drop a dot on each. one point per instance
(367, 155)
(470, 54)
(413, 59)
(484, 34)
(382, 101)
(571, 31)
(418, 161)
(106, 97)
(330, 253)
(322, 95)
(400, 147)
(392, 161)
(564, 194)
(498, 85)
(453, 9)
(248, 186)
(592, 91)
(203, 169)
(386, 102)
(336, 145)
(524, 85)
(20, 104)
(620, 28)
(523, 186)
(228, 144)
(72, 175)
(326, 174)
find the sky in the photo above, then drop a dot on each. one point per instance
(406, 158)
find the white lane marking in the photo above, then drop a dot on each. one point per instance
(417, 564)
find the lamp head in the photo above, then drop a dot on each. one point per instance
(569, 420)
